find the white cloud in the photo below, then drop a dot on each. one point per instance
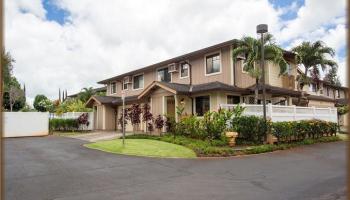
(311, 16)
(101, 40)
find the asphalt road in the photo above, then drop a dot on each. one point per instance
(61, 168)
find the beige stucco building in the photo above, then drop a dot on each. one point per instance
(201, 81)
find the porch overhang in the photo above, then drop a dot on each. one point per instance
(174, 88)
(276, 91)
(100, 100)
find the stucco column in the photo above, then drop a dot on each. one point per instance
(176, 105)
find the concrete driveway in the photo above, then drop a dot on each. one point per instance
(61, 168)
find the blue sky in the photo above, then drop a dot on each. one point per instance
(54, 12)
(94, 40)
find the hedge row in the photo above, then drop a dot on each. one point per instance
(63, 124)
(300, 130)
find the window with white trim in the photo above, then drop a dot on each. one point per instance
(184, 70)
(113, 88)
(125, 84)
(213, 64)
(164, 75)
(138, 81)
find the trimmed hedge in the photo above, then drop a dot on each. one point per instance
(300, 130)
(63, 125)
(251, 129)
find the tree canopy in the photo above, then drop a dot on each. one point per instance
(11, 86)
(313, 57)
(40, 102)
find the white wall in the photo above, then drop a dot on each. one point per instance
(21, 124)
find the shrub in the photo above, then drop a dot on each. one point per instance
(83, 119)
(191, 126)
(159, 122)
(135, 115)
(250, 129)
(63, 125)
(300, 130)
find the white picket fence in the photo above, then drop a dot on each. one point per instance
(75, 115)
(288, 113)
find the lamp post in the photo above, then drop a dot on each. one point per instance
(262, 28)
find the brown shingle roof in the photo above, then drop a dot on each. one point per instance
(320, 98)
(277, 90)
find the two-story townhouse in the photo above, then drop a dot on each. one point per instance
(325, 94)
(198, 81)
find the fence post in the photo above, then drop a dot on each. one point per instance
(294, 112)
(269, 108)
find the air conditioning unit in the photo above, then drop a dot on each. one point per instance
(173, 68)
(127, 79)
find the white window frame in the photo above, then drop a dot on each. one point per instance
(159, 68)
(246, 72)
(189, 70)
(143, 84)
(205, 63)
(111, 88)
(127, 85)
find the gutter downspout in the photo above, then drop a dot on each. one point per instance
(191, 86)
(234, 70)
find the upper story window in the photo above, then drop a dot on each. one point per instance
(327, 90)
(113, 88)
(312, 87)
(212, 64)
(138, 82)
(184, 70)
(164, 75)
(125, 84)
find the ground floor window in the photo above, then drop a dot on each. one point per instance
(233, 99)
(202, 105)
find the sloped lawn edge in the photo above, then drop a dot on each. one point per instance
(217, 149)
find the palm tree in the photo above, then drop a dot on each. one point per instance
(313, 56)
(251, 48)
(86, 93)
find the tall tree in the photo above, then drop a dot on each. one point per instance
(85, 94)
(332, 76)
(313, 57)
(251, 49)
(37, 102)
(15, 94)
(10, 81)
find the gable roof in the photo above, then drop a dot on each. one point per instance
(100, 100)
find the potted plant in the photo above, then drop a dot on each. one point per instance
(231, 132)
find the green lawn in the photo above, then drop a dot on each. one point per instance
(143, 147)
